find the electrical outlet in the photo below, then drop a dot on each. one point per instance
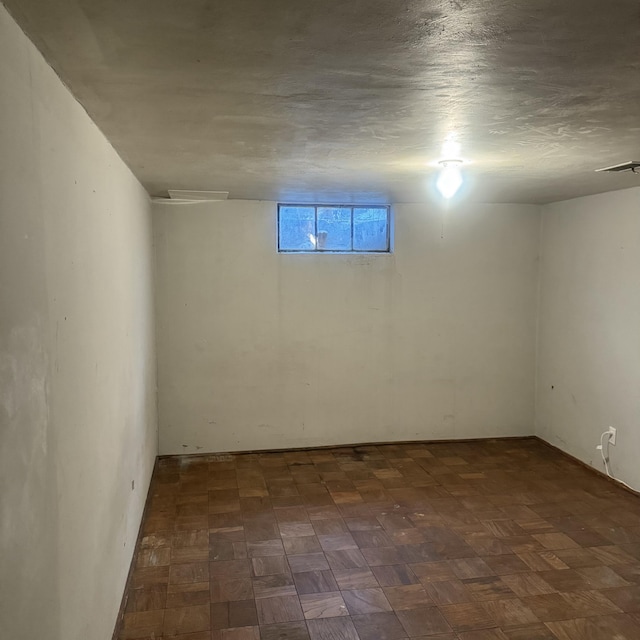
(612, 435)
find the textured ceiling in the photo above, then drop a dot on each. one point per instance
(351, 100)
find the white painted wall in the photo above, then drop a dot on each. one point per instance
(589, 328)
(77, 367)
(259, 350)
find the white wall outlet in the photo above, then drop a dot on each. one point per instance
(612, 435)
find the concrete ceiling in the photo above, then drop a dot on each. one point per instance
(351, 100)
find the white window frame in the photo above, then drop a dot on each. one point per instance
(317, 206)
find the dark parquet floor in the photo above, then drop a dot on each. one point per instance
(489, 540)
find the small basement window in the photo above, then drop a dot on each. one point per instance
(304, 228)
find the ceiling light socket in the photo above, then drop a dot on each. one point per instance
(451, 162)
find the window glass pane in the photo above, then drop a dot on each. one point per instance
(296, 228)
(334, 228)
(370, 229)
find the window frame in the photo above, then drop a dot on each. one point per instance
(351, 251)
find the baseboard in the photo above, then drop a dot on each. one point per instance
(202, 454)
(617, 483)
(134, 559)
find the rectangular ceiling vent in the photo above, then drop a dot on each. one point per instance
(180, 196)
(632, 165)
(198, 196)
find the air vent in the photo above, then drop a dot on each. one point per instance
(198, 196)
(178, 196)
(632, 165)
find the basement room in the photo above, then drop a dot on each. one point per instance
(319, 320)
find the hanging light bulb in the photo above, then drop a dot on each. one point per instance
(450, 178)
(451, 147)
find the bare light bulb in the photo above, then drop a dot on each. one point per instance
(450, 178)
(451, 147)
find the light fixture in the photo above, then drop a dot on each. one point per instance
(451, 146)
(450, 178)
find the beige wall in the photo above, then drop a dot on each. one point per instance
(77, 368)
(589, 333)
(260, 350)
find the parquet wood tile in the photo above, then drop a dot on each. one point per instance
(448, 592)
(487, 540)
(147, 576)
(579, 604)
(149, 599)
(491, 588)
(308, 562)
(269, 566)
(471, 568)
(510, 613)
(191, 572)
(530, 632)
(361, 601)
(142, 624)
(340, 628)
(427, 572)
(577, 558)
(411, 596)
(272, 586)
(527, 584)
(238, 633)
(186, 620)
(223, 589)
(602, 577)
(154, 557)
(346, 559)
(279, 609)
(242, 613)
(506, 564)
(265, 548)
(556, 540)
(598, 628)
(284, 631)
(315, 582)
(323, 605)
(565, 580)
(296, 530)
(394, 575)
(220, 548)
(626, 598)
(190, 594)
(611, 555)
(301, 545)
(483, 634)
(468, 616)
(379, 626)
(425, 621)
